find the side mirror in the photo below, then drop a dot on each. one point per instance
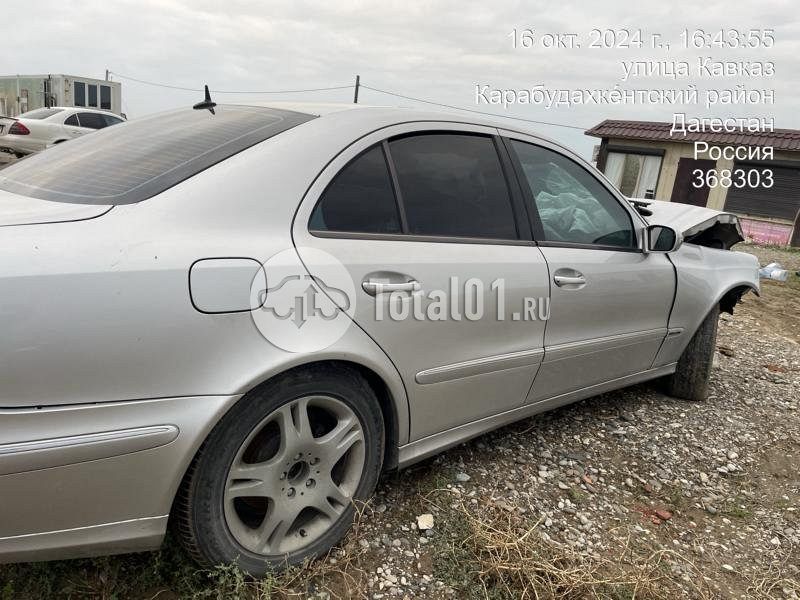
(660, 238)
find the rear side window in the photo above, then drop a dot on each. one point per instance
(453, 185)
(112, 120)
(360, 199)
(136, 160)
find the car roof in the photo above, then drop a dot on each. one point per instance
(373, 117)
(87, 109)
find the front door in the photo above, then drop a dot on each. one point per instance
(684, 189)
(610, 302)
(445, 282)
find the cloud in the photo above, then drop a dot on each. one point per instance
(437, 50)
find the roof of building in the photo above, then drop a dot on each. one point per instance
(657, 131)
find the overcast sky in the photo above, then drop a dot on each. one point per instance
(436, 50)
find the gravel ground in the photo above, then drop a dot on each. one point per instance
(628, 494)
(711, 488)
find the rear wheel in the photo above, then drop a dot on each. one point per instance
(276, 481)
(690, 380)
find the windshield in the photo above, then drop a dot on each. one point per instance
(40, 113)
(138, 159)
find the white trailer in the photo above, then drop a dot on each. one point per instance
(21, 93)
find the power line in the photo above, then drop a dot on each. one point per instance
(187, 89)
(345, 87)
(479, 112)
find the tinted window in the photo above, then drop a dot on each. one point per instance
(453, 185)
(359, 199)
(79, 91)
(112, 120)
(105, 97)
(573, 206)
(136, 160)
(40, 113)
(92, 95)
(91, 120)
(72, 120)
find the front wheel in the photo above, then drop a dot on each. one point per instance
(690, 380)
(276, 481)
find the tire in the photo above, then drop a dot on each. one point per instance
(267, 490)
(690, 380)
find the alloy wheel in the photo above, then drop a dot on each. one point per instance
(294, 476)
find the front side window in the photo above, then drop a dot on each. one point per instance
(91, 120)
(79, 90)
(453, 185)
(72, 120)
(360, 198)
(112, 120)
(573, 206)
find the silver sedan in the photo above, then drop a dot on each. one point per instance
(234, 320)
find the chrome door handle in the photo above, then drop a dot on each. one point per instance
(562, 280)
(373, 288)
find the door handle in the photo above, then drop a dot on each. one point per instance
(569, 278)
(565, 280)
(373, 288)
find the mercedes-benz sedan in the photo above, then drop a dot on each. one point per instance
(232, 322)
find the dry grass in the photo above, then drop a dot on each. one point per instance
(510, 558)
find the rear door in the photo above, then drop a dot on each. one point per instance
(426, 210)
(72, 127)
(610, 302)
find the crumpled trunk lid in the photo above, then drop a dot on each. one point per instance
(698, 224)
(22, 210)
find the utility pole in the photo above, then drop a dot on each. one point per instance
(107, 74)
(358, 84)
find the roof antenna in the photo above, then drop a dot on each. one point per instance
(206, 104)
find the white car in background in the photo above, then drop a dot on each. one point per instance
(38, 129)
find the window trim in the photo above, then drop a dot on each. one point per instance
(515, 197)
(533, 211)
(398, 195)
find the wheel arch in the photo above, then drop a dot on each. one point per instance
(383, 393)
(731, 297)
